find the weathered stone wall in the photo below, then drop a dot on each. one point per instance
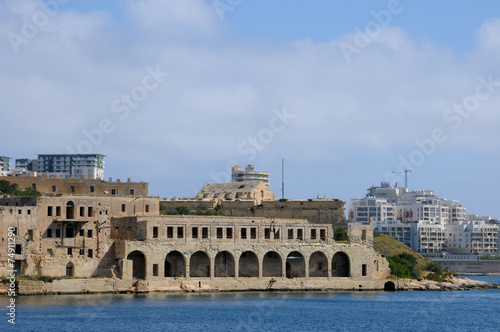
(81, 186)
(315, 211)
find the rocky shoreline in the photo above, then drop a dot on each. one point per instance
(452, 284)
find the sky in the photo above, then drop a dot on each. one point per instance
(174, 92)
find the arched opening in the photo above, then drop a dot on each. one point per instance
(224, 264)
(271, 265)
(199, 265)
(318, 265)
(295, 265)
(340, 265)
(249, 265)
(70, 210)
(175, 265)
(70, 270)
(138, 264)
(389, 286)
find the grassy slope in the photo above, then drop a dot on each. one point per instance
(388, 246)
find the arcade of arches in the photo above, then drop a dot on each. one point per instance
(244, 265)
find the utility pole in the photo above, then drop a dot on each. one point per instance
(406, 171)
(282, 178)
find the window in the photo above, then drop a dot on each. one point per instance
(290, 233)
(132, 192)
(70, 232)
(49, 252)
(33, 186)
(267, 233)
(82, 232)
(219, 232)
(19, 211)
(82, 252)
(229, 233)
(113, 191)
(253, 233)
(194, 232)
(322, 234)
(49, 232)
(147, 208)
(155, 232)
(89, 233)
(170, 232)
(155, 270)
(91, 211)
(54, 189)
(18, 249)
(72, 189)
(276, 234)
(29, 211)
(91, 189)
(82, 211)
(300, 234)
(243, 233)
(58, 233)
(363, 235)
(58, 211)
(313, 234)
(49, 211)
(123, 207)
(70, 251)
(180, 232)
(363, 270)
(30, 234)
(204, 232)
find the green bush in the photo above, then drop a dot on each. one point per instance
(340, 234)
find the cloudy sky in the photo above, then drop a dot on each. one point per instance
(174, 92)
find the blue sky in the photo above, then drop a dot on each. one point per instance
(344, 91)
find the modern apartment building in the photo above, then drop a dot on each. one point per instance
(90, 166)
(249, 174)
(4, 165)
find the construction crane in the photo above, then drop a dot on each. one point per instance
(406, 171)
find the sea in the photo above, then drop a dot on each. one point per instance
(472, 310)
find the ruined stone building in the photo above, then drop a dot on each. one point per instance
(255, 199)
(81, 186)
(125, 238)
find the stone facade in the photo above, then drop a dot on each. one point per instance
(257, 191)
(65, 234)
(79, 186)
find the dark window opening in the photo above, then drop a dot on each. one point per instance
(267, 233)
(49, 232)
(243, 233)
(300, 234)
(363, 270)
(155, 270)
(123, 207)
(82, 232)
(170, 232)
(82, 252)
(58, 233)
(89, 233)
(322, 234)
(229, 233)
(219, 232)
(204, 232)
(49, 211)
(313, 234)
(18, 249)
(82, 211)
(194, 232)
(155, 232)
(90, 211)
(290, 233)
(91, 189)
(72, 189)
(33, 186)
(132, 192)
(363, 235)
(58, 211)
(180, 232)
(54, 189)
(147, 207)
(113, 191)
(276, 234)
(253, 233)
(70, 232)
(90, 253)
(70, 251)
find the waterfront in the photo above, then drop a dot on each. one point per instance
(281, 311)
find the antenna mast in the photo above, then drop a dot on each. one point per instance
(282, 178)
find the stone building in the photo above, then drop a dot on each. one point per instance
(64, 234)
(61, 185)
(257, 191)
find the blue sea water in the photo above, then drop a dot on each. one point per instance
(477, 310)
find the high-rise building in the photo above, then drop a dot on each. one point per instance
(90, 166)
(4, 165)
(249, 174)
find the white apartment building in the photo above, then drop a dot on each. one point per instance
(472, 237)
(90, 166)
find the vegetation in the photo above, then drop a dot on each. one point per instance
(184, 210)
(340, 234)
(405, 262)
(7, 188)
(489, 257)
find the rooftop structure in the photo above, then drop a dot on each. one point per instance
(249, 174)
